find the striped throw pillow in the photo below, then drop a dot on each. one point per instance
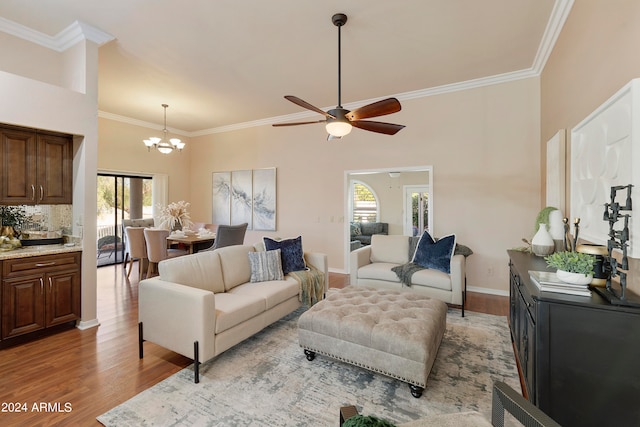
(266, 265)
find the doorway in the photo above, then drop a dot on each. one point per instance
(393, 188)
(119, 197)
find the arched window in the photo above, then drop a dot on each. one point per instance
(364, 203)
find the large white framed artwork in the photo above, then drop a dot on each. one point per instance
(556, 170)
(264, 199)
(604, 146)
(221, 209)
(245, 196)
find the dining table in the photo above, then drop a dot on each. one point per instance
(192, 242)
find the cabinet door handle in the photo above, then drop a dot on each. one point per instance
(45, 264)
(33, 192)
(50, 285)
(41, 285)
(41, 193)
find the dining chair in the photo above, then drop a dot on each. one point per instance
(157, 250)
(136, 248)
(229, 235)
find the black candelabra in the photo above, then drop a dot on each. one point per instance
(618, 240)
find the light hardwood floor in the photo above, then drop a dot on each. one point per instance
(78, 375)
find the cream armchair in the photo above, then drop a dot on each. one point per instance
(371, 266)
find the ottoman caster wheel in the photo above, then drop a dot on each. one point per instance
(416, 391)
(310, 355)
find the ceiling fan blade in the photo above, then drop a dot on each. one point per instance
(375, 109)
(298, 123)
(380, 127)
(305, 104)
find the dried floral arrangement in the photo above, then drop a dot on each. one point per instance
(175, 216)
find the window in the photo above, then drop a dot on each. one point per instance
(365, 203)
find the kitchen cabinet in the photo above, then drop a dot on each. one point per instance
(36, 167)
(578, 355)
(40, 292)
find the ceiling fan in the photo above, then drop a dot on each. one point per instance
(339, 121)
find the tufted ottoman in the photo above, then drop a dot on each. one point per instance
(394, 333)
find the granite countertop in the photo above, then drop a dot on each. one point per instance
(29, 251)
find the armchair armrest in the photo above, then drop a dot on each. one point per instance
(319, 261)
(358, 258)
(458, 274)
(174, 316)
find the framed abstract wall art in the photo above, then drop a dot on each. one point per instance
(245, 196)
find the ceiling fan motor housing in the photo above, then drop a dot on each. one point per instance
(339, 19)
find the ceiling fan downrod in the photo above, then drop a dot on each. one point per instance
(339, 19)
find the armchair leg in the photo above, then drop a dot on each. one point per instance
(464, 295)
(196, 363)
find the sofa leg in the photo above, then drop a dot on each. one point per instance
(140, 341)
(416, 390)
(310, 355)
(196, 363)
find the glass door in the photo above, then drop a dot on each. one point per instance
(120, 197)
(416, 210)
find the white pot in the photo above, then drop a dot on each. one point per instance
(542, 244)
(574, 278)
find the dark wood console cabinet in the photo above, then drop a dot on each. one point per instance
(40, 292)
(35, 167)
(580, 356)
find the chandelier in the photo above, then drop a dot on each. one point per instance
(164, 145)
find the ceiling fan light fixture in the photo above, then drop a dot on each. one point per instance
(338, 127)
(164, 145)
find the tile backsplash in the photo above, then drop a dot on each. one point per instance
(50, 218)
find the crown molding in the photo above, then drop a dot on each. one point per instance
(66, 38)
(559, 15)
(142, 123)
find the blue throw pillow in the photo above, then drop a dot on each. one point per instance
(291, 252)
(436, 255)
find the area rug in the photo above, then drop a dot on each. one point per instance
(267, 381)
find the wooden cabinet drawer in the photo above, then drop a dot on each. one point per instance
(37, 264)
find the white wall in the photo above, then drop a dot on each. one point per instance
(36, 104)
(483, 145)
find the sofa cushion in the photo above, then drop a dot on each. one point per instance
(432, 254)
(232, 309)
(355, 229)
(393, 249)
(431, 278)
(265, 265)
(378, 271)
(273, 292)
(371, 228)
(291, 252)
(201, 270)
(235, 264)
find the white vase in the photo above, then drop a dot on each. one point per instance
(556, 229)
(542, 243)
(574, 278)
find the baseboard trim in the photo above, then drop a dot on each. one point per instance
(489, 291)
(87, 324)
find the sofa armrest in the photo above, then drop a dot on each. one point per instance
(319, 261)
(458, 275)
(358, 258)
(174, 316)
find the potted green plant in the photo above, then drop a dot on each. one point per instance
(572, 267)
(12, 218)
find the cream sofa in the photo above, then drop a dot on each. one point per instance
(203, 304)
(371, 266)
